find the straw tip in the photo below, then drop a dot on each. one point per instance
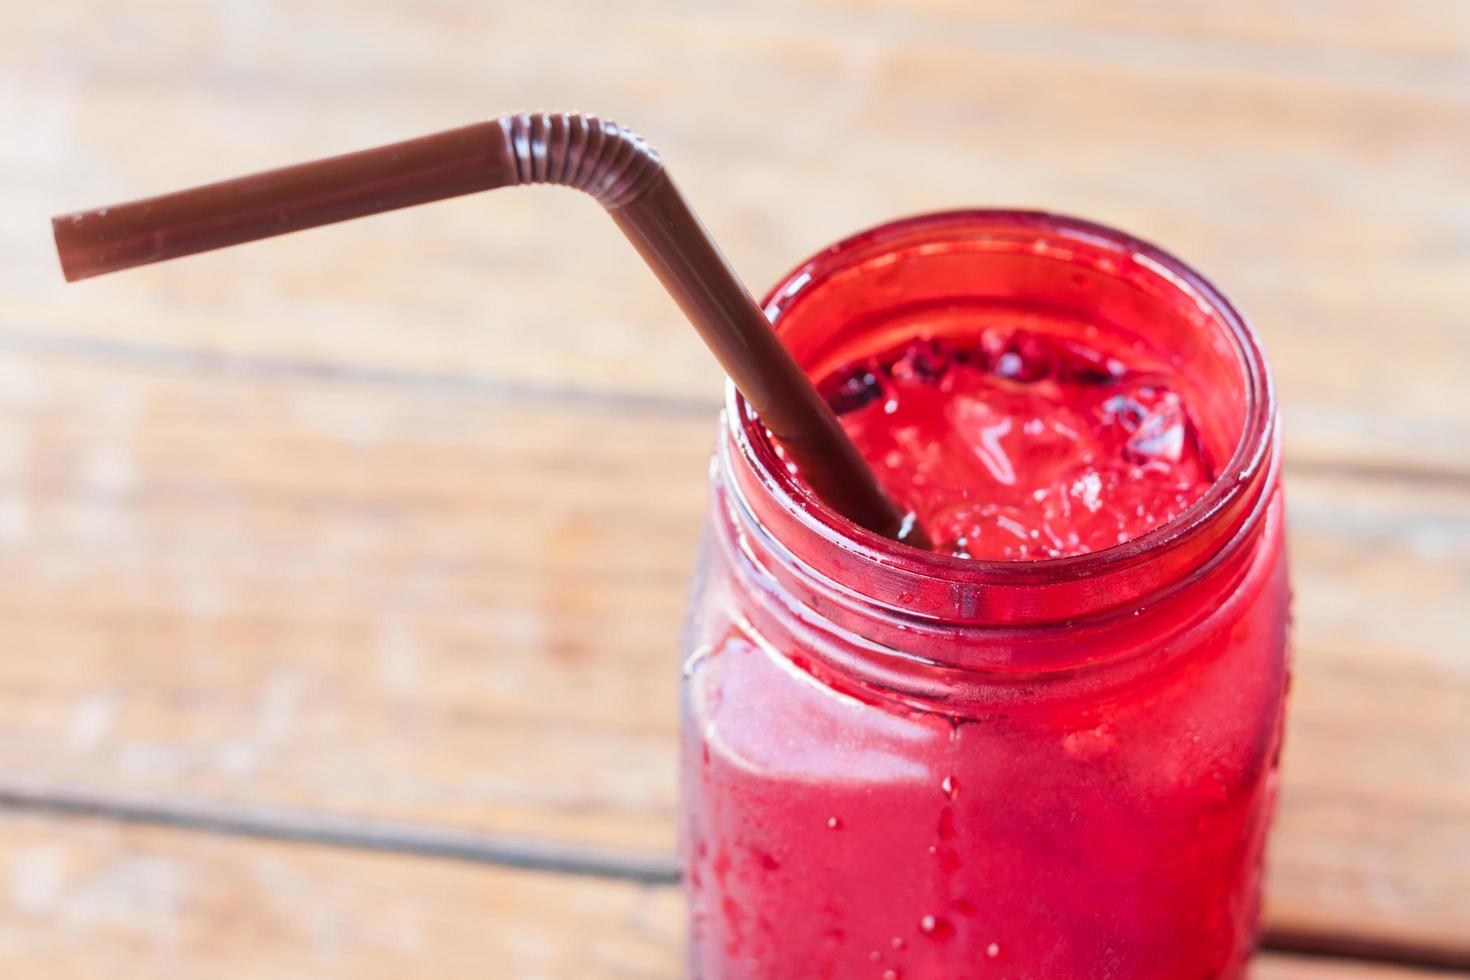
(65, 232)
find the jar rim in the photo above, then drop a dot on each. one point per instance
(1240, 474)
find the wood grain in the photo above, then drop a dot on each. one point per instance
(418, 599)
(86, 899)
(83, 899)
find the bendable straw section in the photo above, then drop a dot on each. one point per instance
(613, 164)
(625, 174)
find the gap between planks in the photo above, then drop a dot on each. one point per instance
(420, 840)
(270, 823)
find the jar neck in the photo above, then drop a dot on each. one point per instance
(966, 668)
(831, 573)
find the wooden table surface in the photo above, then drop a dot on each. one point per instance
(342, 573)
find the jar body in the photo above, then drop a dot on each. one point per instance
(881, 792)
(828, 834)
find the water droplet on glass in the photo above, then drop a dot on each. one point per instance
(936, 927)
(950, 786)
(993, 950)
(696, 658)
(834, 823)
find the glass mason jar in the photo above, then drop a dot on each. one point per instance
(899, 764)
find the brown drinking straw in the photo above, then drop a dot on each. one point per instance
(616, 167)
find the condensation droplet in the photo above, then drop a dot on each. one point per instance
(936, 927)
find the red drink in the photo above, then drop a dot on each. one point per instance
(1010, 444)
(1049, 750)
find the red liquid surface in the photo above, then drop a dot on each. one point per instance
(1013, 444)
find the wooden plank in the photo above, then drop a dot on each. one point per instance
(457, 608)
(1281, 966)
(349, 593)
(1312, 161)
(1376, 789)
(84, 899)
(1424, 29)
